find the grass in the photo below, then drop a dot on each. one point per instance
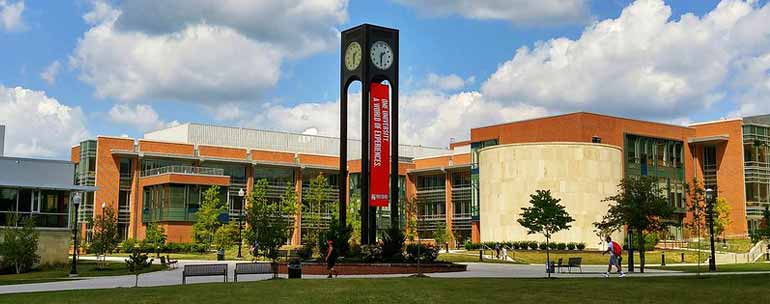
(721, 268)
(61, 272)
(722, 289)
(230, 255)
(736, 245)
(468, 258)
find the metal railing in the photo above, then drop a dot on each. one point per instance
(184, 170)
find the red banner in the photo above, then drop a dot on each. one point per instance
(379, 144)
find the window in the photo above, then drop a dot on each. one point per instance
(8, 199)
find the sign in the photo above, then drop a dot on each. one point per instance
(379, 144)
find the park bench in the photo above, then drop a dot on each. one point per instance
(168, 262)
(252, 268)
(199, 270)
(575, 263)
(558, 265)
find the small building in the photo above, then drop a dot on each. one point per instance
(42, 189)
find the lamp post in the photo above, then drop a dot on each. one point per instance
(74, 267)
(710, 213)
(241, 193)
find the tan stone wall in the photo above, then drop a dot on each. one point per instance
(580, 174)
(53, 246)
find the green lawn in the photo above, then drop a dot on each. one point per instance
(737, 245)
(61, 272)
(721, 268)
(596, 257)
(230, 254)
(467, 258)
(723, 289)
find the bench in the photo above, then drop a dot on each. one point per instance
(200, 270)
(558, 265)
(252, 268)
(167, 261)
(575, 263)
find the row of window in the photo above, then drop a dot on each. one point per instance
(50, 208)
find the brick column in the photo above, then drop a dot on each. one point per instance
(449, 207)
(296, 237)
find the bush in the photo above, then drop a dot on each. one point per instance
(128, 245)
(581, 246)
(543, 246)
(427, 253)
(371, 253)
(305, 252)
(533, 245)
(393, 245)
(561, 246)
(19, 245)
(552, 246)
(571, 246)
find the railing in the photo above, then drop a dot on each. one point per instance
(757, 251)
(168, 214)
(184, 170)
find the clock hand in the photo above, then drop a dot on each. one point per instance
(381, 54)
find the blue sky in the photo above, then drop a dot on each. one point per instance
(122, 68)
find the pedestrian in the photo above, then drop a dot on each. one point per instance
(331, 258)
(497, 250)
(616, 253)
(505, 253)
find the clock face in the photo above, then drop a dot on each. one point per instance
(381, 55)
(353, 56)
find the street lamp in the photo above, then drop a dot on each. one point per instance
(710, 213)
(241, 193)
(74, 267)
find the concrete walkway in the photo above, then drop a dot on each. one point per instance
(174, 276)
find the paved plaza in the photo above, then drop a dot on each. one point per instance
(174, 276)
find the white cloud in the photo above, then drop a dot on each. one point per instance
(50, 72)
(140, 116)
(449, 82)
(641, 64)
(520, 12)
(200, 51)
(10, 15)
(38, 125)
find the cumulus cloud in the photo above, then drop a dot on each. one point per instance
(520, 12)
(140, 116)
(50, 72)
(199, 51)
(10, 15)
(449, 82)
(38, 125)
(642, 63)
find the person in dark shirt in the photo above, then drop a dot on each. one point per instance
(331, 258)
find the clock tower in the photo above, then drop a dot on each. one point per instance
(370, 55)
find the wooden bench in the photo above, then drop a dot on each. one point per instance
(575, 263)
(558, 265)
(168, 262)
(199, 270)
(252, 268)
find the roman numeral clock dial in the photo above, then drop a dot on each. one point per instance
(381, 55)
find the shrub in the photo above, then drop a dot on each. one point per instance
(393, 245)
(427, 253)
(371, 253)
(508, 245)
(561, 246)
(553, 246)
(468, 246)
(305, 252)
(543, 246)
(581, 246)
(571, 246)
(533, 245)
(19, 245)
(128, 245)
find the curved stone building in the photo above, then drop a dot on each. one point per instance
(580, 174)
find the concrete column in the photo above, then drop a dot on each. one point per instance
(296, 238)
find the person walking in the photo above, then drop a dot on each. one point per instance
(616, 253)
(497, 251)
(331, 258)
(505, 253)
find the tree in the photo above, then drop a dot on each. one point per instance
(721, 216)
(639, 205)
(266, 223)
(354, 219)
(546, 217)
(19, 244)
(318, 203)
(105, 234)
(696, 206)
(443, 235)
(135, 263)
(155, 237)
(289, 207)
(226, 236)
(207, 217)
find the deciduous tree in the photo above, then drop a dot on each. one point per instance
(546, 216)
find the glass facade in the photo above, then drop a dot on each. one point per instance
(662, 159)
(85, 175)
(49, 208)
(431, 204)
(324, 215)
(461, 204)
(756, 157)
(176, 202)
(475, 194)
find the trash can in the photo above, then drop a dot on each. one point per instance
(550, 268)
(295, 269)
(220, 255)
